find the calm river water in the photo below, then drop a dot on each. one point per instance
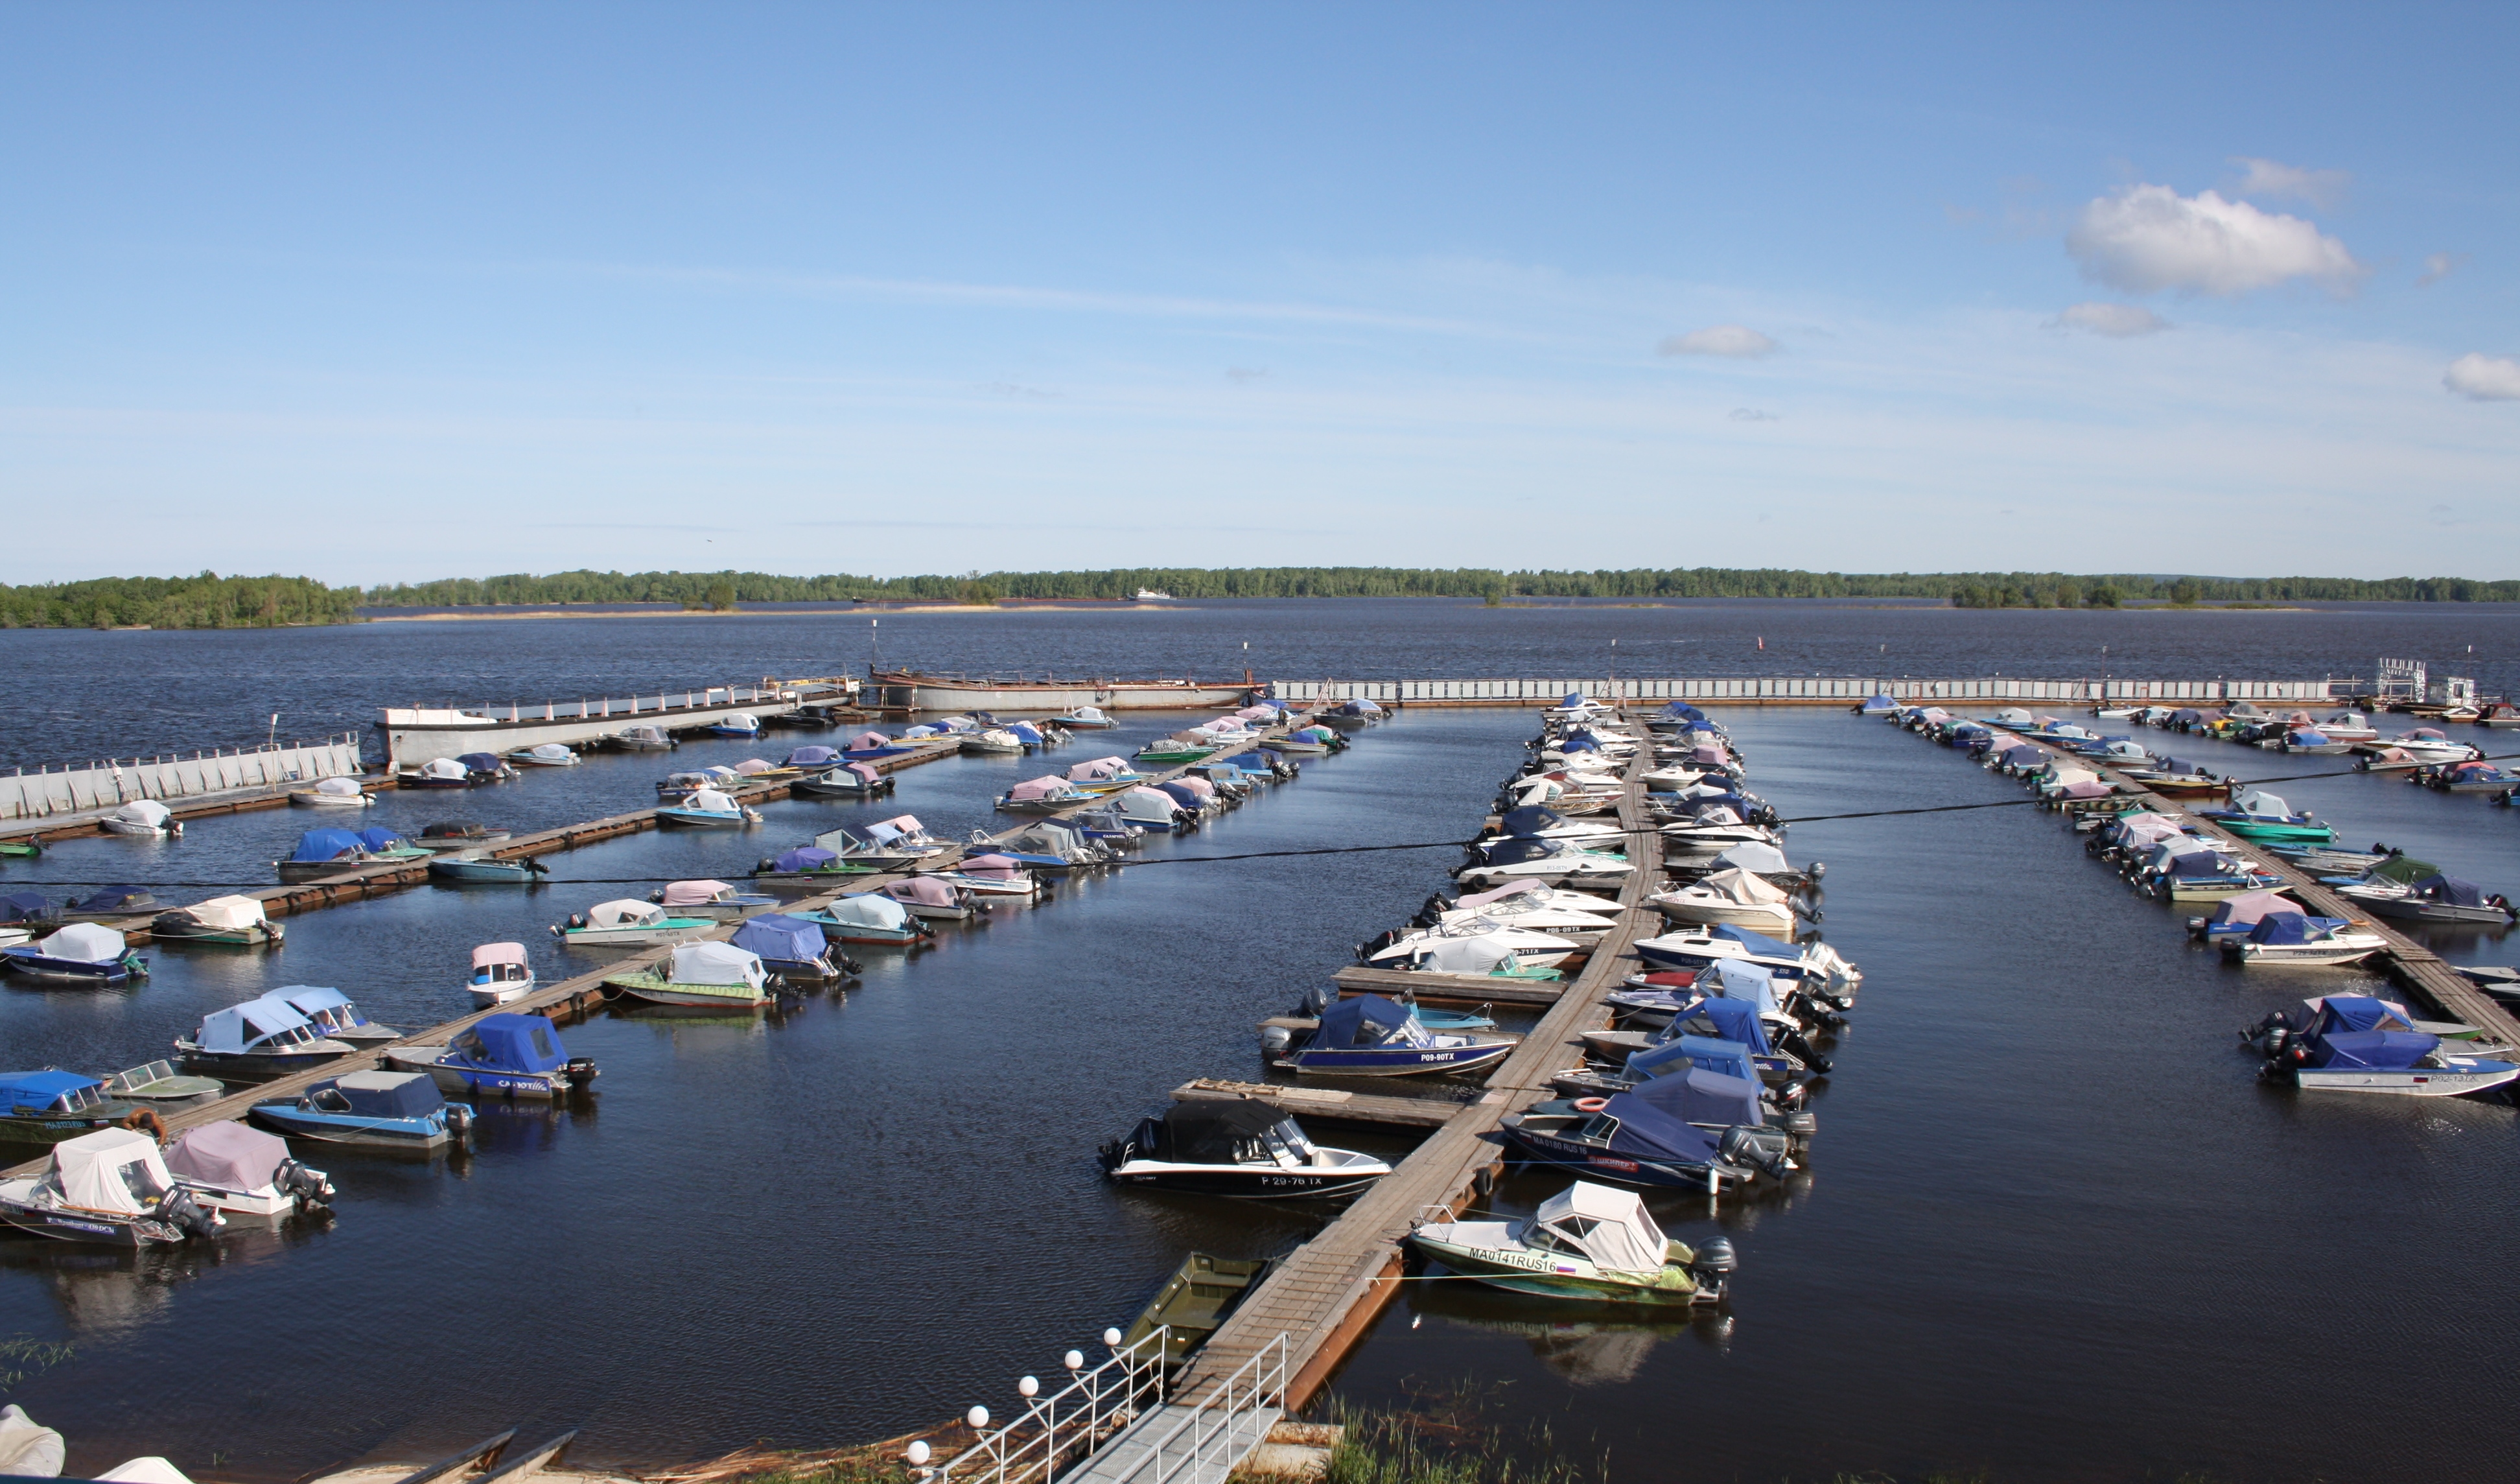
(2053, 1228)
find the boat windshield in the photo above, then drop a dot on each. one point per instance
(1292, 1136)
(142, 1181)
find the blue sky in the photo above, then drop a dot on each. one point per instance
(383, 293)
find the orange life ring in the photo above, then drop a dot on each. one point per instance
(1591, 1104)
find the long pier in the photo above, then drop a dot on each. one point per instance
(1820, 690)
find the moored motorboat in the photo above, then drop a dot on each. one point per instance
(1235, 1146)
(1041, 796)
(376, 1110)
(712, 899)
(1695, 1130)
(2295, 937)
(480, 871)
(1588, 1242)
(1370, 1036)
(332, 793)
(500, 973)
(145, 818)
(793, 948)
(49, 1105)
(736, 723)
(630, 924)
(2403, 1063)
(544, 755)
(2433, 899)
(80, 953)
(235, 920)
(990, 876)
(459, 835)
(1732, 895)
(255, 1041)
(1086, 719)
(932, 898)
(644, 739)
(436, 773)
(321, 853)
(333, 1015)
(2256, 815)
(237, 1169)
(156, 1084)
(810, 866)
(708, 808)
(107, 1188)
(877, 921)
(704, 975)
(501, 1056)
(847, 781)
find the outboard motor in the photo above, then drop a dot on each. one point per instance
(767, 864)
(581, 1073)
(1768, 1150)
(1798, 1127)
(459, 1120)
(852, 967)
(1713, 1263)
(1797, 1044)
(2269, 1036)
(1314, 1001)
(1365, 950)
(307, 1186)
(179, 1210)
(1275, 1039)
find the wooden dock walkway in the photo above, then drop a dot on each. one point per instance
(1322, 1104)
(1325, 1294)
(1465, 991)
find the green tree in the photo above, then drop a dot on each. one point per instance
(2184, 593)
(979, 593)
(721, 596)
(2105, 596)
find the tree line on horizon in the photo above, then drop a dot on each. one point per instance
(211, 600)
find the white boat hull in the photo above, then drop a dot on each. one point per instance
(2415, 1082)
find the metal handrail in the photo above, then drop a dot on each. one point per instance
(1080, 1415)
(1260, 1381)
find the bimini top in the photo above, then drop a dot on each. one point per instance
(387, 1094)
(2358, 1012)
(812, 757)
(1364, 1020)
(1608, 1225)
(776, 936)
(2450, 891)
(512, 1043)
(695, 893)
(624, 913)
(326, 845)
(232, 1154)
(227, 913)
(489, 954)
(2251, 907)
(716, 964)
(243, 1027)
(1212, 1130)
(869, 912)
(83, 943)
(114, 1170)
(40, 1089)
(805, 858)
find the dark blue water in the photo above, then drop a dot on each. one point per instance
(2054, 1227)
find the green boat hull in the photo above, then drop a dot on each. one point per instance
(2317, 834)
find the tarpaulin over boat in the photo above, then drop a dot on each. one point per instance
(83, 943)
(2251, 907)
(863, 772)
(812, 757)
(693, 893)
(1211, 1131)
(114, 1170)
(326, 845)
(2403, 869)
(479, 762)
(232, 1154)
(241, 1027)
(776, 936)
(2450, 891)
(1483, 898)
(338, 788)
(2259, 803)
(752, 765)
(1200, 788)
(2308, 739)
(718, 964)
(624, 913)
(118, 899)
(1730, 1057)
(996, 866)
(387, 1094)
(146, 811)
(1101, 769)
(1036, 789)
(2358, 1012)
(1647, 1131)
(867, 741)
(378, 837)
(39, 1090)
(1755, 858)
(709, 801)
(1700, 1096)
(554, 751)
(24, 907)
(1182, 794)
(1686, 712)
(805, 858)
(1362, 1020)
(2372, 1049)
(869, 912)
(1477, 954)
(2294, 927)
(1743, 889)
(926, 890)
(1721, 1017)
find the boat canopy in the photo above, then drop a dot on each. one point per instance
(1212, 1130)
(922, 731)
(2258, 803)
(1744, 889)
(2090, 787)
(1203, 788)
(1182, 794)
(812, 757)
(716, 964)
(805, 858)
(84, 943)
(865, 741)
(40, 1089)
(900, 826)
(1608, 1225)
(2022, 755)
(1100, 769)
(144, 811)
(1880, 702)
(1034, 789)
(864, 771)
(1530, 819)
(479, 762)
(1686, 712)
(309, 1000)
(24, 907)
(752, 765)
(1362, 1020)
(2149, 827)
(2372, 1050)
(1700, 1096)
(645, 733)
(1024, 731)
(1754, 858)
(1472, 954)
(117, 899)
(869, 912)
(387, 1094)
(2308, 736)
(489, 954)
(2448, 890)
(2352, 1013)
(378, 837)
(242, 1027)
(926, 890)
(454, 829)
(445, 768)
(624, 913)
(233, 1155)
(1087, 714)
(2293, 928)
(228, 913)
(994, 864)
(114, 1170)
(709, 801)
(1730, 1057)
(2250, 908)
(777, 936)
(1646, 1131)
(552, 750)
(695, 893)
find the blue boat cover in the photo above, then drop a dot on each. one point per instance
(1730, 1057)
(2175, 767)
(326, 845)
(1758, 943)
(1530, 819)
(777, 936)
(1732, 1019)
(1579, 743)
(1364, 1020)
(378, 837)
(1700, 1096)
(1025, 731)
(1647, 1131)
(2294, 927)
(2450, 891)
(805, 858)
(114, 898)
(1183, 794)
(479, 762)
(513, 1044)
(1250, 762)
(1686, 712)
(811, 757)
(39, 1089)
(2338, 1014)
(1573, 698)
(413, 1095)
(2375, 1049)
(24, 906)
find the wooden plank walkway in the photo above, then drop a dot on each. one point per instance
(1468, 991)
(1325, 1294)
(1322, 1104)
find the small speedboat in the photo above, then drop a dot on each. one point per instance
(376, 1110)
(1588, 1242)
(145, 818)
(80, 953)
(630, 924)
(2296, 938)
(848, 781)
(1656, 1136)
(793, 948)
(644, 739)
(1526, 949)
(500, 973)
(459, 835)
(2405, 1063)
(480, 871)
(1370, 1036)
(544, 755)
(321, 853)
(332, 793)
(811, 866)
(436, 773)
(257, 1040)
(931, 898)
(107, 1188)
(49, 1105)
(2433, 899)
(1735, 897)
(869, 920)
(238, 1169)
(740, 724)
(708, 808)
(2257, 815)
(1550, 862)
(712, 976)
(997, 742)
(334, 1015)
(236, 920)
(990, 875)
(1041, 796)
(2470, 778)
(502, 1055)
(156, 1084)
(712, 899)
(1235, 1146)
(1086, 719)
(2425, 745)
(1815, 968)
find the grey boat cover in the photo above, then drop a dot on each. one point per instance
(230, 1154)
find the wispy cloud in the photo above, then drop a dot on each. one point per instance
(2439, 267)
(1736, 340)
(2116, 321)
(2269, 180)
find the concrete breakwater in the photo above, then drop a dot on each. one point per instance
(174, 780)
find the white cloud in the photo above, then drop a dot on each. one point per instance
(2149, 237)
(2270, 180)
(2483, 377)
(2439, 267)
(2116, 321)
(1720, 339)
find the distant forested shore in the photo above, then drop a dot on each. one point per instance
(211, 600)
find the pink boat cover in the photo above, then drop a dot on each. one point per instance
(866, 772)
(1712, 757)
(1197, 785)
(866, 740)
(2093, 789)
(1258, 713)
(692, 893)
(1100, 768)
(907, 824)
(926, 890)
(498, 953)
(1036, 789)
(752, 765)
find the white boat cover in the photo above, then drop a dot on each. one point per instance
(742, 721)
(231, 1029)
(1743, 888)
(1089, 713)
(555, 752)
(144, 811)
(1622, 1236)
(2012, 716)
(718, 964)
(710, 801)
(624, 913)
(489, 954)
(444, 767)
(90, 1171)
(84, 943)
(230, 1154)
(645, 734)
(338, 788)
(2259, 801)
(752, 765)
(227, 913)
(870, 912)
(1482, 898)
(693, 893)
(1477, 954)
(149, 1468)
(1754, 858)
